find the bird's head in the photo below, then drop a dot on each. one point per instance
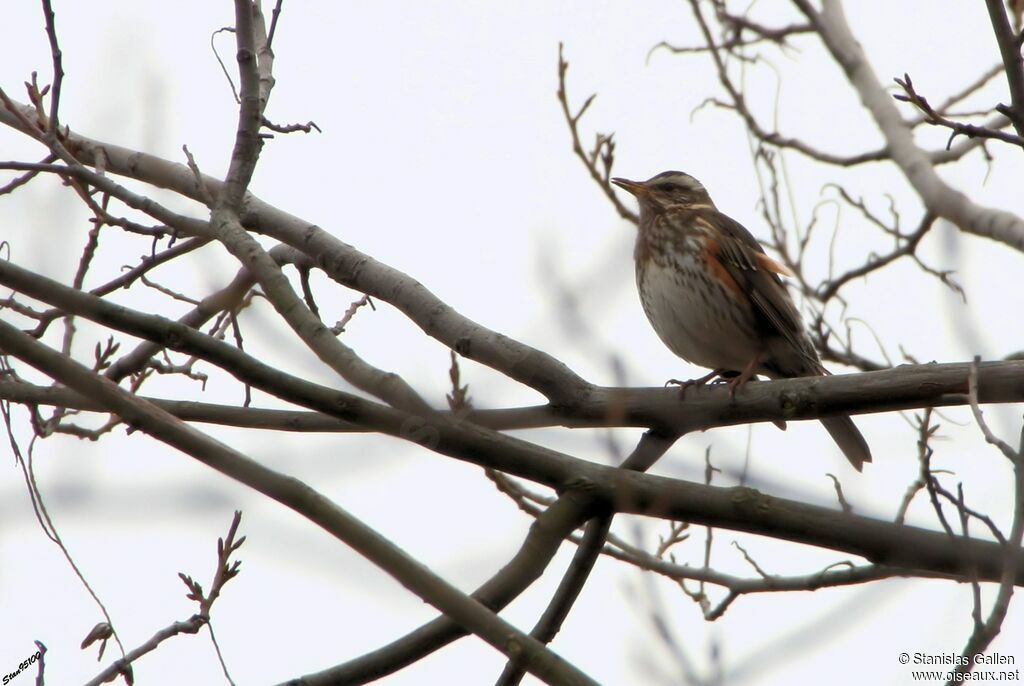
(667, 190)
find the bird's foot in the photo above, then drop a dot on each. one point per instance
(715, 376)
(743, 377)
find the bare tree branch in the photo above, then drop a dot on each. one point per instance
(302, 499)
(561, 602)
(984, 632)
(937, 195)
(1009, 48)
(343, 263)
(931, 116)
(96, 385)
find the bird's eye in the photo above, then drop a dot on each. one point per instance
(667, 187)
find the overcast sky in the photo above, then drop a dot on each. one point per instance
(444, 154)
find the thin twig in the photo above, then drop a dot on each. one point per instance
(604, 146)
(223, 68)
(1009, 42)
(985, 631)
(933, 117)
(225, 571)
(275, 15)
(53, 128)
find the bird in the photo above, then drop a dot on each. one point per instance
(716, 299)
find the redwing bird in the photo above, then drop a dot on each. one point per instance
(715, 298)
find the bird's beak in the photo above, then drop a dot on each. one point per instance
(634, 187)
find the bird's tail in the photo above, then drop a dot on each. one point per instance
(849, 439)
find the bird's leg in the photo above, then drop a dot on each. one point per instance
(683, 385)
(744, 376)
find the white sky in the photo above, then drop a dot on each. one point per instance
(444, 154)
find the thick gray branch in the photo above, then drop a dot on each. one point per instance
(296, 495)
(938, 196)
(345, 264)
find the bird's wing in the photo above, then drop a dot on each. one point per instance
(756, 275)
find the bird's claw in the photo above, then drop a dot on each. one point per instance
(716, 376)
